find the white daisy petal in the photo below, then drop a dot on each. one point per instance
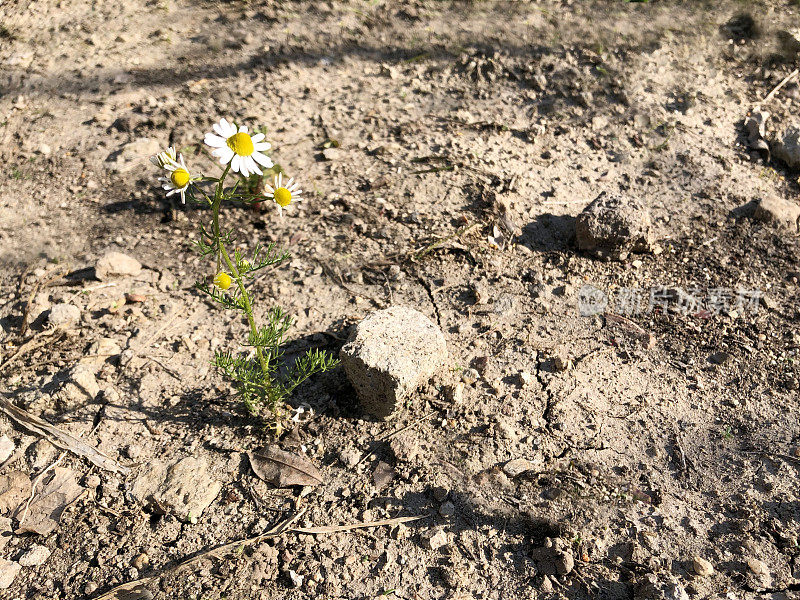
(214, 141)
(242, 129)
(227, 155)
(257, 137)
(253, 166)
(236, 163)
(262, 159)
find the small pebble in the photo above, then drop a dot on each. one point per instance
(701, 566)
(447, 509)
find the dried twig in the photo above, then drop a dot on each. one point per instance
(120, 592)
(777, 88)
(35, 342)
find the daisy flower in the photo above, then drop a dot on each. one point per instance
(223, 280)
(169, 156)
(233, 144)
(283, 194)
(179, 177)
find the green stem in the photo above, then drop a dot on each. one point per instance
(222, 255)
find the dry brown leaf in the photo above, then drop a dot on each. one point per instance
(15, 488)
(45, 510)
(283, 469)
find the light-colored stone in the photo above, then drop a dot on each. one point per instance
(391, 353)
(183, 489)
(8, 571)
(787, 149)
(615, 225)
(433, 539)
(774, 209)
(757, 567)
(36, 555)
(518, 466)
(64, 315)
(702, 567)
(6, 448)
(116, 264)
(82, 385)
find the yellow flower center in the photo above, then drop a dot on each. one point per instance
(222, 281)
(241, 143)
(283, 197)
(179, 178)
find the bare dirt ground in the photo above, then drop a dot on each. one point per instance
(509, 117)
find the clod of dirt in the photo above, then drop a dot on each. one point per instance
(81, 386)
(665, 587)
(184, 489)
(614, 225)
(775, 210)
(35, 556)
(64, 315)
(283, 469)
(554, 557)
(405, 446)
(116, 264)
(5, 531)
(787, 149)
(389, 354)
(8, 571)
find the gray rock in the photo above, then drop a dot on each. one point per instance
(391, 353)
(664, 587)
(64, 315)
(615, 225)
(778, 211)
(787, 149)
(6, 448)
(184, 489)
(8, 571)
(35, 556)
(447, 509)
(116, 264)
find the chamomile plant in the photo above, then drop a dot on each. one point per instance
(263, 378)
